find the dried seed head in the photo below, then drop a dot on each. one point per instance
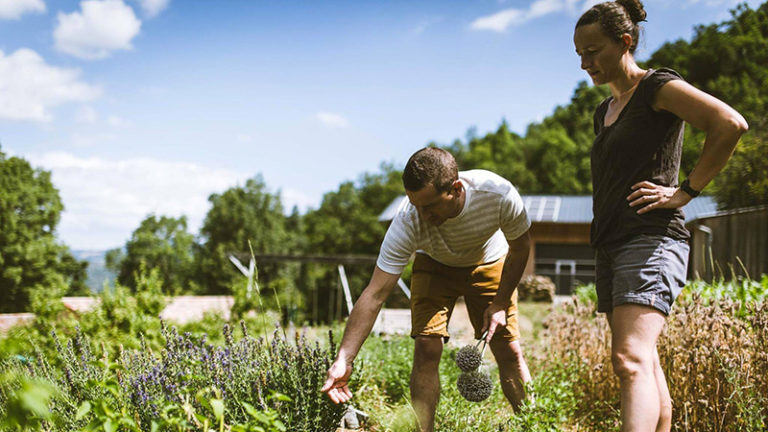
(468, 358)
(474, 386)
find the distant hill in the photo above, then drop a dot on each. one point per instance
(97, 268)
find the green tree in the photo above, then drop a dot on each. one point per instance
(553, 156)
(32, 262)
(243, 214)
(501, 152)
(346, 223)
(727, 60)
(558, 148)
(560, 164)
(162, 244)
(744, 181)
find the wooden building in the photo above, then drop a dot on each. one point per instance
(729, 243)
(560, 235)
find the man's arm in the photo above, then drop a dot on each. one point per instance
(356, 331)
(514, 266)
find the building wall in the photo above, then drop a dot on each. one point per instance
(561, 252)
(560, 233)
(729, 244)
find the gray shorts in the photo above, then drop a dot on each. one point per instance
(647, 270)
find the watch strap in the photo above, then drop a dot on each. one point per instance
(686, 187)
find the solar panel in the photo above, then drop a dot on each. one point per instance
(543, 208)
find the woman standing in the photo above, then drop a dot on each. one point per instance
(638, 230)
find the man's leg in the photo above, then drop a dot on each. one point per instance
(635, 331)
(425, 380)
(513, 371)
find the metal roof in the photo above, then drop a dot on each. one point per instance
(569, 208)
(559, 208)
(389, 213)
(699, 207)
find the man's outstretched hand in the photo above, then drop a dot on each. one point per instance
(336, 383)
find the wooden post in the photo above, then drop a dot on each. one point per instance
(331, 304)
(403, 287)
(249, 272)
(345, 286)
(338, 301)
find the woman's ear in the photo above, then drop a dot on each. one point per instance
(626, 40)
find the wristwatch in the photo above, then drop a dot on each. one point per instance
(686, 187)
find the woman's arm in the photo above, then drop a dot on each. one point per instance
(723, 127)
(722, 124)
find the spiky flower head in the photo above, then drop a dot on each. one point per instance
(468, 358)
(474, 386)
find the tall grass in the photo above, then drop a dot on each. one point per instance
(120, 367)
(714, 351)
(179, 384)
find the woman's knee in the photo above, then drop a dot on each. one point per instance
(629, 363)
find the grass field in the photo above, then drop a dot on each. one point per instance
(120, 368)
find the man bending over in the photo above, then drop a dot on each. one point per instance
(469, 231)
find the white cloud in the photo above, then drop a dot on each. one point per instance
(118, 122)
(152, 8)
(589, 3)
(244, 138)
(102, 26)
(14, 9)
(105, 200)
(29, 87)
(332, 120)
(499, 21)
(502, 20)
(715, 3)
(419, 29)
(292, 197)
(92, 140)
(545, 7)
(86, 114)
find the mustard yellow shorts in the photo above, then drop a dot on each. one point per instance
(435, 288)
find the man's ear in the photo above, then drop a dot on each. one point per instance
(456, 187)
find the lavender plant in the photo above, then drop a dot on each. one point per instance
(245, 372)
(191, 384)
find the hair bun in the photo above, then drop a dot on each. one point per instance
(634, 8)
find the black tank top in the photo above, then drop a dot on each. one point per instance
(642, 144)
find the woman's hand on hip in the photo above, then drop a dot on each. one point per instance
(647, 196)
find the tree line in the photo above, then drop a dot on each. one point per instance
(728, 60)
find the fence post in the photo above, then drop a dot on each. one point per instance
(345, 286)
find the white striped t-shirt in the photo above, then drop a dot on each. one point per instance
(493, 213)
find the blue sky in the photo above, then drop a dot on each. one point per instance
(149, 106)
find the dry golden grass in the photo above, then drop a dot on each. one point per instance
(715, 357)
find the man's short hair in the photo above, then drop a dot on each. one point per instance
(433, 166)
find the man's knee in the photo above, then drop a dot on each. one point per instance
(506, 351)
(427, 351)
